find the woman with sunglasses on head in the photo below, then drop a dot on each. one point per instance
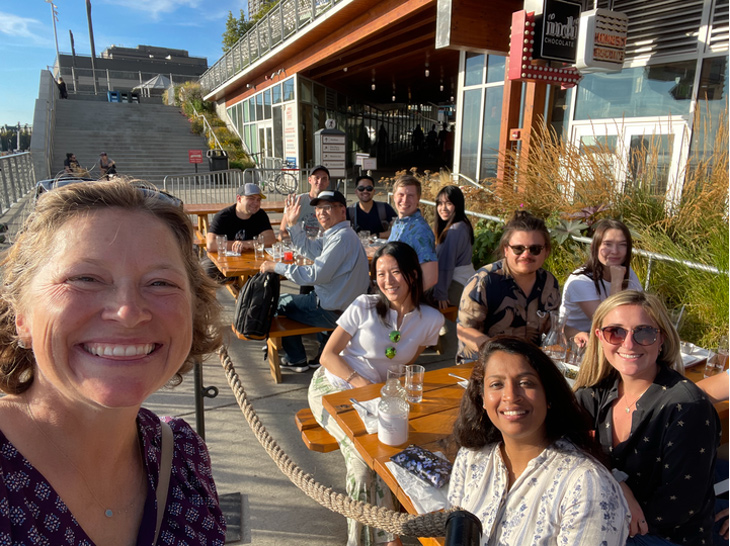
(454, 239)
(659, 430)
(513, 295)
(607, 271)
(527, 467)
(375, 332)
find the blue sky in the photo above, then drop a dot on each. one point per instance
(27, 45)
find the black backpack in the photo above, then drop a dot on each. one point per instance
(256, 305)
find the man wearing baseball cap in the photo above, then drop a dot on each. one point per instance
(339, 273)
(319, 180)
(240, 222)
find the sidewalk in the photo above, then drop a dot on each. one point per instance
(274, 510)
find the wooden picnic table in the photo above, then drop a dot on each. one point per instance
(202, 210)
(430, 423)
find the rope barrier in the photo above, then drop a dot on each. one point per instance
(432, 524)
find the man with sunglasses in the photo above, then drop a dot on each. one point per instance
(368, 214)
(339, 273)
(512, 296)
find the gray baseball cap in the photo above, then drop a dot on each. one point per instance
(251, 189)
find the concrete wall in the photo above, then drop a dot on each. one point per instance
(44, 120)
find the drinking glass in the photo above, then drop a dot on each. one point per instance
(277, 250)
(722, 353)
(258, 246)
(414, 383)
(710, 366)
(221, 242)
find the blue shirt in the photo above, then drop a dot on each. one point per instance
(340, 270)
(415, 231)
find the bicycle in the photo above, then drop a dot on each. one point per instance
(283, 181)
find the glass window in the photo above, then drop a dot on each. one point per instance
(276, 93)
(252, 109)
(305, 91)
(474, 69)
(649, 161)
(657, 90)
(470, 133)
(490, 132)
(711, 107)
(260, 106)
(278, 133)
(319, 94)
(267, 104)
(288, 88)
(495, 69)
(246, 113)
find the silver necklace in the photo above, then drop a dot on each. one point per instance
(108, 512)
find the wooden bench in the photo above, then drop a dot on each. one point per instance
(313, 435)
(282, 327)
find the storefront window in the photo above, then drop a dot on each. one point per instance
(267, 104)
(474, 69)
(288, 89)
(495, 69)
(246, 115)
(470, 133)
(276, 94)
(657, 90)
(712, 104)
(490, 132)
(305, 90)
(260, 106)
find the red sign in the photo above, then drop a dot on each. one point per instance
(523, 67)
(195, 156)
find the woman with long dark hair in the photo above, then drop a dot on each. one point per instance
(454, 240)
(375, 332)
(527, 467)
(607, 271)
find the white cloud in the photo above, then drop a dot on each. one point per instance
(21, 27)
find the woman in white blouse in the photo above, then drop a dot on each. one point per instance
(375, 331)
(526, 467)
(607, 271)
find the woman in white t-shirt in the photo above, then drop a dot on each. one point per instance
(607, 271)
(375, 332)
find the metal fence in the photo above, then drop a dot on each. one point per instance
(284, 20)
(17, 178)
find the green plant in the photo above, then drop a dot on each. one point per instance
(487, 234)
(566, 229)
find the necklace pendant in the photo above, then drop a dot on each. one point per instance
(108, 513)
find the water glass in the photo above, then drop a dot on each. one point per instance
(710, 366)
(258, 246)
(722, 353)
(414, 383)
(277, 250)
(221, 242)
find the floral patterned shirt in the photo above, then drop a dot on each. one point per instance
(32, 513)
(563, 497)
(494, 304)
(415, 231)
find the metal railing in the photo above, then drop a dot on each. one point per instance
(651, 257)
(283, 21)
(81, 80)
(208, 129)
(212, 187)
(17, 178)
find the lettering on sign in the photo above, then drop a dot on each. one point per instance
(557, 31)
(602, 41)
(195, 156)
(333, 139)
(334, 148)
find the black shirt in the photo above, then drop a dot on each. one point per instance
(669, 455)
(225, 222)
(371, 221)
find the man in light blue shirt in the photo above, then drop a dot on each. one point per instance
(339, 273)
(411, 227)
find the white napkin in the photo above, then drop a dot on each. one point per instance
(425, 498)
(371, 421)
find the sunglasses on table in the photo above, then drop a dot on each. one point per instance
(534, 249)
(365, 188)
(642, 335)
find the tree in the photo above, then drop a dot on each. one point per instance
(235, 30)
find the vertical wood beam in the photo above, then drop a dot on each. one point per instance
(535, 94)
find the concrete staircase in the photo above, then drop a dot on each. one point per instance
(147, 141)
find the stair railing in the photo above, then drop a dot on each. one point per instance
(208, 129)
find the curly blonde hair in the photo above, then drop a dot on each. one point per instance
(24, 260)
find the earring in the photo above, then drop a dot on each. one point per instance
(21, 344)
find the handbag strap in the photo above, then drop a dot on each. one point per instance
(163, 483)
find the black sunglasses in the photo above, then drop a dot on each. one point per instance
(642, 335)
(364, 188)
(534, 249)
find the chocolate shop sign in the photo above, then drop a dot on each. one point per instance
(556, 31)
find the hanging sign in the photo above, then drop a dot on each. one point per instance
(602, 41)
(556, 29)
(523, 66)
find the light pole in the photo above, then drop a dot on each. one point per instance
(54, 14)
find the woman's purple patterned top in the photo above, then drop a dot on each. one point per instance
(32, 513)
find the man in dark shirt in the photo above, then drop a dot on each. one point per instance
(368, 214)
(240, 223)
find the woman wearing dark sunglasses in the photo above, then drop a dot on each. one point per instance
(658, 428)
(513, 296)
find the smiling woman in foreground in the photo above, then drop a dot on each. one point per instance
(524, 467)
(103, 303)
